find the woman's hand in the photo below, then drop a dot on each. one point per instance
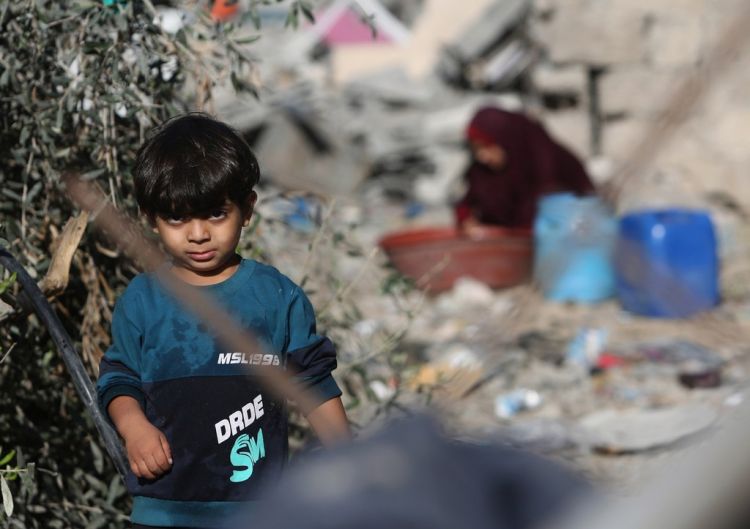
(470, 226)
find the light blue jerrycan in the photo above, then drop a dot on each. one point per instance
(574, 242)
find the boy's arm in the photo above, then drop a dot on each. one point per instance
(312, 358)
(330, 423)
(121, 397)
(147, 447)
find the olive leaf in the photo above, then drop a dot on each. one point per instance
(7, 497)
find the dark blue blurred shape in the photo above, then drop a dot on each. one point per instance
(411, 476)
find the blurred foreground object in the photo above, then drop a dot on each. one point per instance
(411, 476)
(436, 257)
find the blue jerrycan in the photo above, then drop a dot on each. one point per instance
(666, 263)
(574, 240)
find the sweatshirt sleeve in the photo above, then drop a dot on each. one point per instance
(310, 357)
(119, 369)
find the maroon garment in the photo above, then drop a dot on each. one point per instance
(535, 166)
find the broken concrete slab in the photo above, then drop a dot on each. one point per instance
(504, 66)
(571, 128)
(392, 86)
(320, 164)
(493, 51)
(617, 86)
(495, 24)
(629, 431)
(447, 121)
(675, 41)
(575, 33)
(550, 79)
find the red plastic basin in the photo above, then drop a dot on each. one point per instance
(436, 257)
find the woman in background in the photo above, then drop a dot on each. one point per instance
(515, 164)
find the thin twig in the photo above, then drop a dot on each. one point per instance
(7, 352)
(344, 291)
(316, 240)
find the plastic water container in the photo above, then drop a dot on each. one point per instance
(574, 239)
(666, 263)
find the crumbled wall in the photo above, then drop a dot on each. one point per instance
(616, 61)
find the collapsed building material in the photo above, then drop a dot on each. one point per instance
(296, 154)
(494, 51)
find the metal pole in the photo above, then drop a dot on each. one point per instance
(81, 380)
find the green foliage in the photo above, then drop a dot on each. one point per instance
(300, 7)
(6, 283)
(11, 474)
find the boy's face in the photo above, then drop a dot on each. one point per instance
(203, 245)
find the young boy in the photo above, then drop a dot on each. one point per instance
(203, 435)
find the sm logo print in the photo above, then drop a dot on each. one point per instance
(246, 452)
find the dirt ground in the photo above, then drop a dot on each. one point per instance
(527, 349)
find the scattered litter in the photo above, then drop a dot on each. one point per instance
(678, 352)
(735, 399)
(609, 360)
(382, 390)
(510, 404)
(543, 346)
(698, 375)
(693, 365)
(413, 210)
(172, 20)
(465, 294)
(586, 347)
(367, 328)
(455, 370)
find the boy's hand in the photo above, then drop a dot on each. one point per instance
(147, 447)
(148, 451)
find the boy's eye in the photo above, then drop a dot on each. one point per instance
(217, 214)
(174, 220)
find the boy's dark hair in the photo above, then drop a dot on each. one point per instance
(191, 164)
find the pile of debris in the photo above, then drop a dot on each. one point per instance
(345, 100)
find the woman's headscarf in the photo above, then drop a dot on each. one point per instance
(535, 165)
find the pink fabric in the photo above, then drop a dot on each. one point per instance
(535, 166)
(349, 29)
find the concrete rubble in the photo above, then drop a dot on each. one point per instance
(380, 127)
